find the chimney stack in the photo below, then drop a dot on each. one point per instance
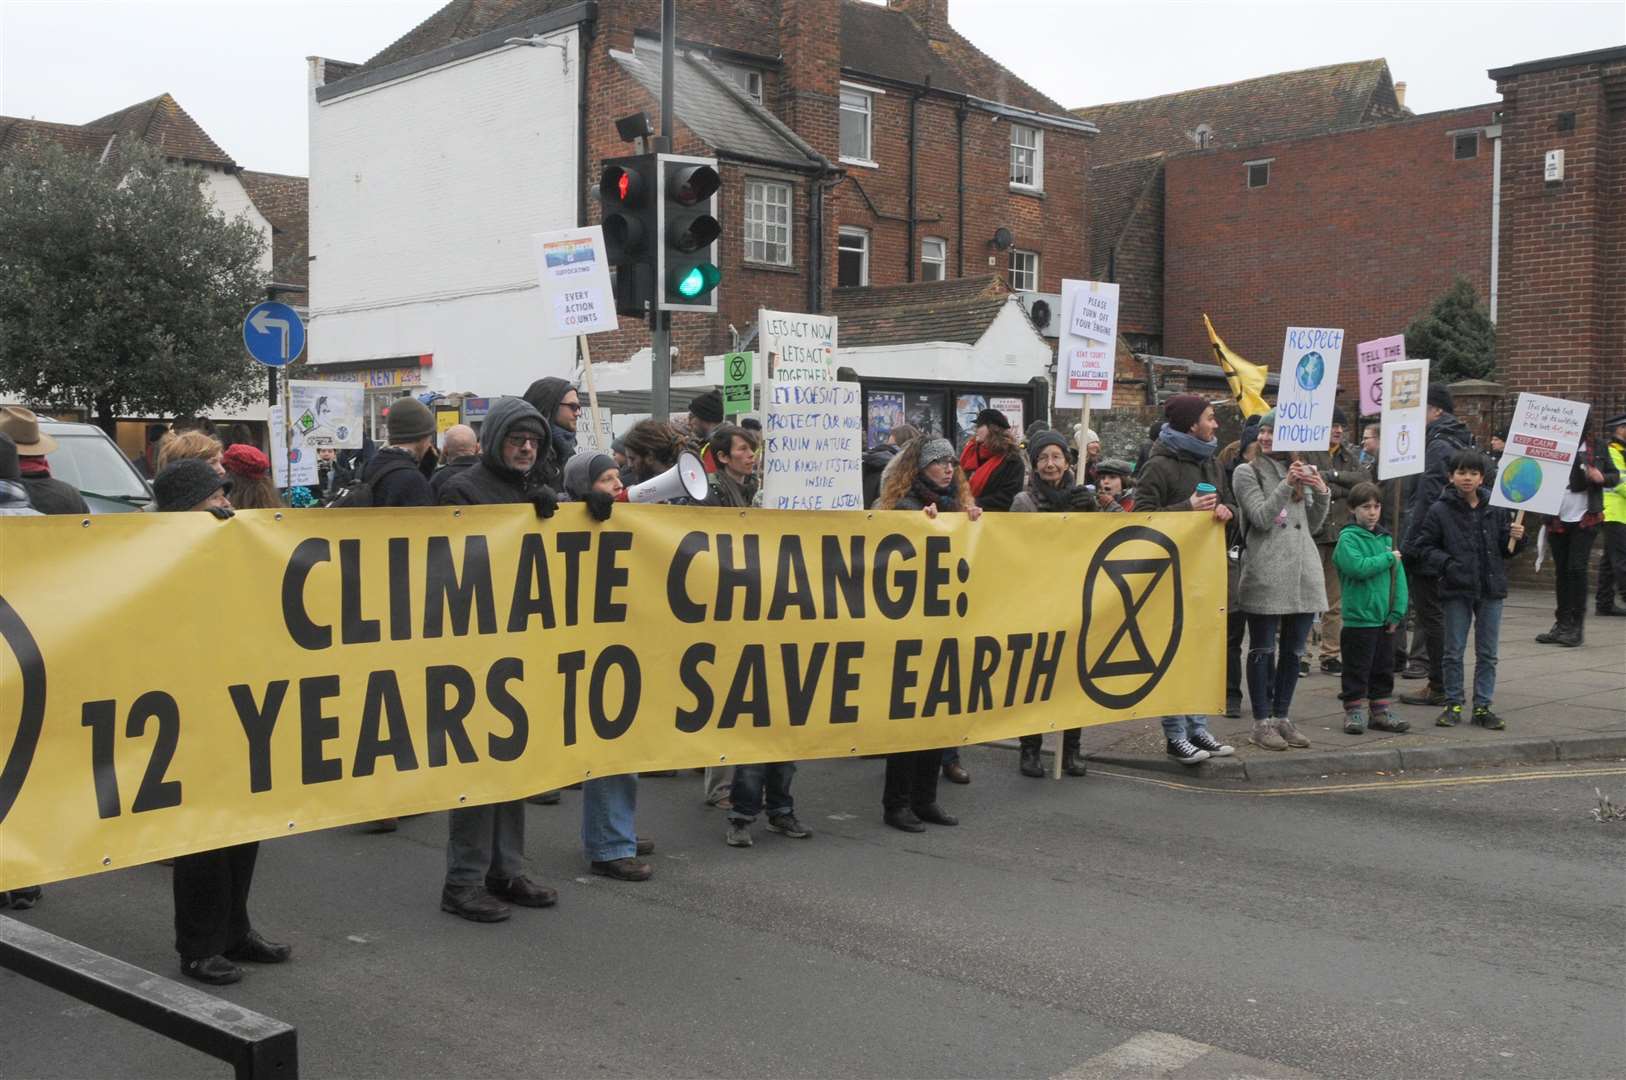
(810, 41)
(930, 15)
(1400, 94)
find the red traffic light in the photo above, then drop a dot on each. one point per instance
(620, 184)
(690, 184)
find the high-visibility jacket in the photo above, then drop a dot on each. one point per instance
(1614, 500)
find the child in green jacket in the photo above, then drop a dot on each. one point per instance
(1374, 586)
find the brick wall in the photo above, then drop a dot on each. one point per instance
(1137, 266)
(1563, 292)
(1358, 229)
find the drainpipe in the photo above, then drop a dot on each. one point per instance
(584, 45)
(1494, 134)
(959, 169)
(909, 228)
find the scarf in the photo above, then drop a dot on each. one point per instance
(979, 468)
(1051, 500)
(732, 492)
(931, 495)
(1187, 444)
(34, 466)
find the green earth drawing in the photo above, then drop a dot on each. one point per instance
(1311, 370)
(1521, 480)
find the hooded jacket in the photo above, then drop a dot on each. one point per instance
(1373, 582)
(1446, 435)
(875, 463)
(1464, 546)
(1281, 568)
(544, 396)
(491, 481)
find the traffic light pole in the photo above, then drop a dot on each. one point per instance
(660, 322)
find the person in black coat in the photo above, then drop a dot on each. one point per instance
(878, 458)
(1463, 542)
(399, 473)
(459, 450)
(47, 494)
(1570, 533)
(993, 462)
(559, 405)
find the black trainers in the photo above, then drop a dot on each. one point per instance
(1304, 667)
(1332, 666)
(1450, 716)
(473, 903)
(1187, 752)
(787, 825)
(1203, 739)
(738, 834)
(1483, 717)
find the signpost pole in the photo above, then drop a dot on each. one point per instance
(287, 425)
(592, 387)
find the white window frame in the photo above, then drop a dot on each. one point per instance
(1037, 150)
(760, 230)
(1203, 136)
(1473, 133)
(1031, 275)
(747, 79)
(1247, 173)
(941, 261)
(852, 233)
(869, 94)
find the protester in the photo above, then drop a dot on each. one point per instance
(1050, 490)
(734, 449)
(878, 458)
(1612, 573)
(46, 493)
(485, 845)
(1088, 446)
(14, 501)
(992, 462)
(1369, 447)
(746, 801)
(1444, 437)
(1146, 447)
(1463, 542)
(924, 477)
(1283, 502)
(1569, 536)
(213, 933)
(191, 444)
(559, 405)
(1181, 473)
(1244, 449)
(1373, 585)
(591, 471)
(1112, 485)
(398, 475)
(652, 447)
(1341, 470)
(250, 472)
(459, 451)
(705, 413)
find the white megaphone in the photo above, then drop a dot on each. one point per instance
(687, 477)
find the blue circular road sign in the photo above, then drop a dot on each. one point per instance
(273, 334)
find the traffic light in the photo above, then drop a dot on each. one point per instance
(627, 192)
(687, 264)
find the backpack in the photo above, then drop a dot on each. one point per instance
(358, 494)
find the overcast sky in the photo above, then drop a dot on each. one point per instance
(238, 65)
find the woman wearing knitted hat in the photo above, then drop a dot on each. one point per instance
(250, 473)
(1050, 490)
(1283, 502)
(924, 476)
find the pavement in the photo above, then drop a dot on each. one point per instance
(1455, 923)
(1560, 704)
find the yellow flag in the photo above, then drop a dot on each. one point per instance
(1247, 379)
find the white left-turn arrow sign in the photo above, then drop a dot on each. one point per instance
(264, 320)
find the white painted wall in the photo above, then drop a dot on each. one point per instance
(228, 195)
(1011, 351)
(424, 194)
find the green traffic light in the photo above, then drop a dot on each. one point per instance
(699, 281)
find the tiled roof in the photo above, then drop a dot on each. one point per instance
(163, 124)
(707, 105)
(25, 137)
(1114, 191)
(285, 203)
(886, 41)
(459, 21)
(1255, 110)
(958, 310)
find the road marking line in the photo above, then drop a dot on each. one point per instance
(1158, 1055)
(1373, 785)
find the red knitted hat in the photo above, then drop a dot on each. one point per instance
(246, 461)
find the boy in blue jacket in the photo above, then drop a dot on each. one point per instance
(1464, 542)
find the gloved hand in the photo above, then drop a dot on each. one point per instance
(545, 502)
(1081, 498)
(599, 504)
(221, 512)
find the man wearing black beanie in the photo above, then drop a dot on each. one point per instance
(705, 415)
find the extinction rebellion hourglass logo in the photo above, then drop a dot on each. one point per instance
(29, 706)
(1132, 617)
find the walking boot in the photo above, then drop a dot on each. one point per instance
(1384, 720)
(1031, 764)
(1570, 636)
(1072, 762)
(1290, 734)
(1266, 736)
(1551, 636)
(1430, 696)
(1355, 720)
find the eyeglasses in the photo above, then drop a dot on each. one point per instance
(573, 406)
(517, 441)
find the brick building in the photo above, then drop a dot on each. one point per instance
(1561, 302)
(860, 145)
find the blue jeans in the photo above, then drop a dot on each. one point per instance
(485, 840)
(608, 807)
(1275, 643)
(746, 794)
(1181, 727)
(1486, 616)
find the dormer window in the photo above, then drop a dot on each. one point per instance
(1203, 136)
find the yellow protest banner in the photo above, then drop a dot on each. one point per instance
(174, 683)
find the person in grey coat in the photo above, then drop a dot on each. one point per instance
(1282, 502)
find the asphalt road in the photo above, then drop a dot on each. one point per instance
(1472, 925)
